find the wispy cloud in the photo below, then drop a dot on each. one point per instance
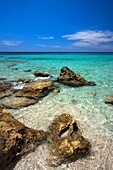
(41, 45)
(81, 44)
(108, 46)
(46, 38)
(11, 43)
(55, 46)
(90, 38)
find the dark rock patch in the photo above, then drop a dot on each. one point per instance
(27, 70)
(41, 74)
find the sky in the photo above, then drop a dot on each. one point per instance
(56, 25)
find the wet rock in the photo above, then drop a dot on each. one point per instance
(12, 102)
(5, 89)
(5, 93)
(70, 78)
(109, 99)
(15, 139)
(27, 70)
(21, 80)
(2, 79)
(36, 89)
(65, 140)
(14, 68)
(41, 74)
(4, 86)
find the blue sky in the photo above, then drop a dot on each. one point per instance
(56, 25)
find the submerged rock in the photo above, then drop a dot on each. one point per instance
(27, 70)
(109, 99)
(36, 89)
(65, 140)
(41, 74)
(15, 139)
(12, 102)
(70, 78)
(18, 80)
(1, 79)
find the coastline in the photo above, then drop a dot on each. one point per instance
(85, 104)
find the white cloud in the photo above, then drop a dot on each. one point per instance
(11, 43)
(46, 38)
(55, 46)
(81, 44)
(41, 45)
(88, 37)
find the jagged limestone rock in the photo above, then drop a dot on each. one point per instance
(68, 77)
(15, 138)
(65, 140)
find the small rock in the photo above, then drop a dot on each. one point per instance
(27, 70)
(109, 99)
(2, 79)
(14, 68)
(41, 74)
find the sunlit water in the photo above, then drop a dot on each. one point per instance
(85, 104)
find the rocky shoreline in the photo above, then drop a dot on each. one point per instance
(64, 138)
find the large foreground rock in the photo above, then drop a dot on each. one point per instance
(65, 140)
(109, 99)
(15, 139)
(36, 89)
(70, 78)
(16, 102)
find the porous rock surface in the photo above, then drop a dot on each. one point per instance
(70, 78)
(15, 139)
(36, 89)
(29, 94)
(65, 140)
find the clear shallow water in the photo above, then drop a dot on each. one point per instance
(86, 104)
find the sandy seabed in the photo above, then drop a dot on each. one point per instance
(40, 115)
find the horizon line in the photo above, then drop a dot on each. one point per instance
(55, 52)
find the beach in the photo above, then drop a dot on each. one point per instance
(85, 104)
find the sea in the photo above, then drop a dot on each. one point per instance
(85, 104)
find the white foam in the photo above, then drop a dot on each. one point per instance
(18, 85)
(42, 78)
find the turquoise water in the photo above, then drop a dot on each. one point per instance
(86, 103)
